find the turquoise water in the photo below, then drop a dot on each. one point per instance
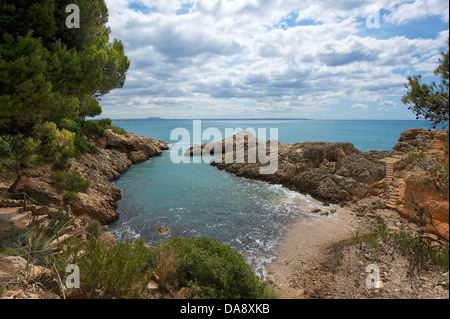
(200, 200)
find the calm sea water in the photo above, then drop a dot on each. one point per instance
(200, 200)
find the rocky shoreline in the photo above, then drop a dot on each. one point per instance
(332, 172)
(117, 152)
(318, 258)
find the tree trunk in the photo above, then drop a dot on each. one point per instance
(13, 188)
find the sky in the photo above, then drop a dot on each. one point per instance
(273, 58)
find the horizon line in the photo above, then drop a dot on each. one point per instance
(254, 119)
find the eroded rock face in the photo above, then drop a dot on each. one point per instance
(116, 154)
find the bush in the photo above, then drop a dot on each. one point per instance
(206, 267)
(70, 197)
(104, 122)
(117, 129)
(121, 272)
(71, 181)
(80, 143)
(217, 270)
(94, 128)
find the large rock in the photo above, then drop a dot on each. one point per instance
(137, 148)
(324, 184)
(417, 139)
(334, 172)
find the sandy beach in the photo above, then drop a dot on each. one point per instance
(303, 248)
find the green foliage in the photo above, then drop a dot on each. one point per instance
(54, 144)
(116, 129)
(92, 226)
(50, 73)
(430, 102)
(93, 128)
(43, 240)
(122, 271)
(99, 127)
(420, 251)
(215, 269)
(81, 146)
(209, 269)
(371, 240)
(416, 155)
(70, 181)
(70, 197)
(105, 122)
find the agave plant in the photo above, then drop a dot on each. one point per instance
(43, 240)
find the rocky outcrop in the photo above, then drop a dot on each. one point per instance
(116, 154)
(137, 148)
(333, 172)
(418, 139)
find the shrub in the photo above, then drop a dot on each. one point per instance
(70, 197)
(217, 270)
(122, 271)
(206, 267)
(82, 147)
(117, 129)
(71, 181)
(93, 128)
(80, 144)
(104, 122)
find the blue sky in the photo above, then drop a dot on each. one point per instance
(273, 58)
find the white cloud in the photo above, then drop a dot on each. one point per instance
(359, 106)
(222, 53)
(410, 10)
(387, 105)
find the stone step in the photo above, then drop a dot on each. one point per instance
(18, 218)
(7, 213)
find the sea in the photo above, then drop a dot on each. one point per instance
(195, 199)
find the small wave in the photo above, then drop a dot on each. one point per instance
(124, 232)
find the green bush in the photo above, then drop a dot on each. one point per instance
(93, 128)
(70, 197)
(99, 127)
(117, 129)
(81, 145)
(206, 267)
(72, 126)
(121, 272)
(104, 122)
(216, 270)
(71, 181)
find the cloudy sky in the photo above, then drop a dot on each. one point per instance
(273, 58)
